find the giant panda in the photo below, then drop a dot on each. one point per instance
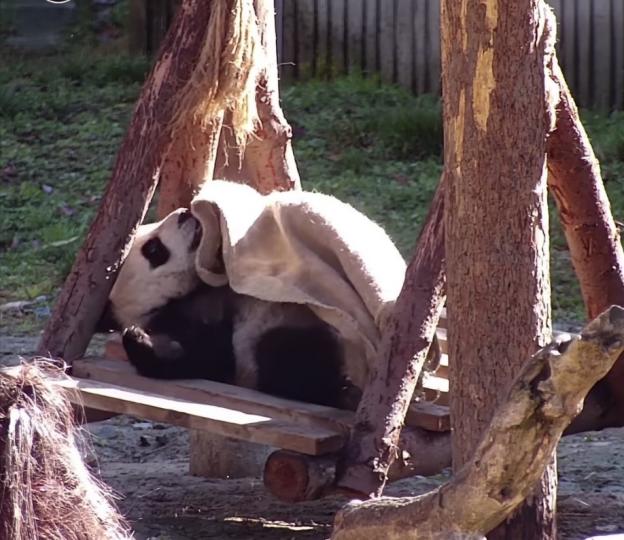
(175, 326)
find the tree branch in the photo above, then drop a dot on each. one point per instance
(373, 444)
(595, 247)
(513, 451)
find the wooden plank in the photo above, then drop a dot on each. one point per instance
(602, 54)
(371, 38)
(224, 421)
(428, 416)
(617, 32)
(355, 36)
(405, 41)
(214, 393)
(434, 56)
(387, 40)
(242, 399)
(337, 36)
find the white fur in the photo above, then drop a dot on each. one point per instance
(140, 288)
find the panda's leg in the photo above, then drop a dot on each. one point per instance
(303, 363)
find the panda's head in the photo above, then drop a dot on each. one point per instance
(160, 267)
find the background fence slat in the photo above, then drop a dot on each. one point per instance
(371, 39)
(433, 32)
(421, 67)
(602, 54)
(337, 36)
(387, 40)
(355, 35)
(289, 45)
(617, 32)
(322, 52)
(405, 40)
(584, 13)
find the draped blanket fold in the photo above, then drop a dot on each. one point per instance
(304, 248)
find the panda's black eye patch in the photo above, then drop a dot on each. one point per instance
(155, 252)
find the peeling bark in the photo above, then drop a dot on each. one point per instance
(373, 443)
(512, 453)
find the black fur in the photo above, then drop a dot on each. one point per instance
(301, 363)
(190, 337)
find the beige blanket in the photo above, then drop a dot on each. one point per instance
(305, 248)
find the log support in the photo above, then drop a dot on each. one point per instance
(294, 477)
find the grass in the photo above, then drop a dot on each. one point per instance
(62, 117)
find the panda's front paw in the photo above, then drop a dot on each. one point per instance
(139, 347)
(135, 336)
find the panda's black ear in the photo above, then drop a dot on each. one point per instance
(107, 322)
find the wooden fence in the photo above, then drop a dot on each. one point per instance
(400, 40)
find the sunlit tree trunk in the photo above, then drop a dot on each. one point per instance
(496, 121)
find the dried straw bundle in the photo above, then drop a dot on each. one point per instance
(47, 491)
(227, 70)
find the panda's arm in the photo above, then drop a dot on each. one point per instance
(204, 352)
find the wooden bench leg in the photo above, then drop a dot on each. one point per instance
(216, 456)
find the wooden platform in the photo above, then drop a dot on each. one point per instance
(231, 411)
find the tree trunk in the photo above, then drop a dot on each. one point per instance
(496, 120)
(197, 61)
(595, 246)
(189, 163)
(267, 162)
(373, 443)
(512, 453)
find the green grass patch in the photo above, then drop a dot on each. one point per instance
(62, 118)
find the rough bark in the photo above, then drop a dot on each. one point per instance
(372, 445)
(593, 239)
(267, 162)
(294, 477)
(512, 453)
(496, 119)
(171, 94)
(189, 163)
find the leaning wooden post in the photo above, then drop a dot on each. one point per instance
(594, 241)
(188, 79)
(373, 444)
(512, 453)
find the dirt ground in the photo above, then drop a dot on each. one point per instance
(147, 465)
